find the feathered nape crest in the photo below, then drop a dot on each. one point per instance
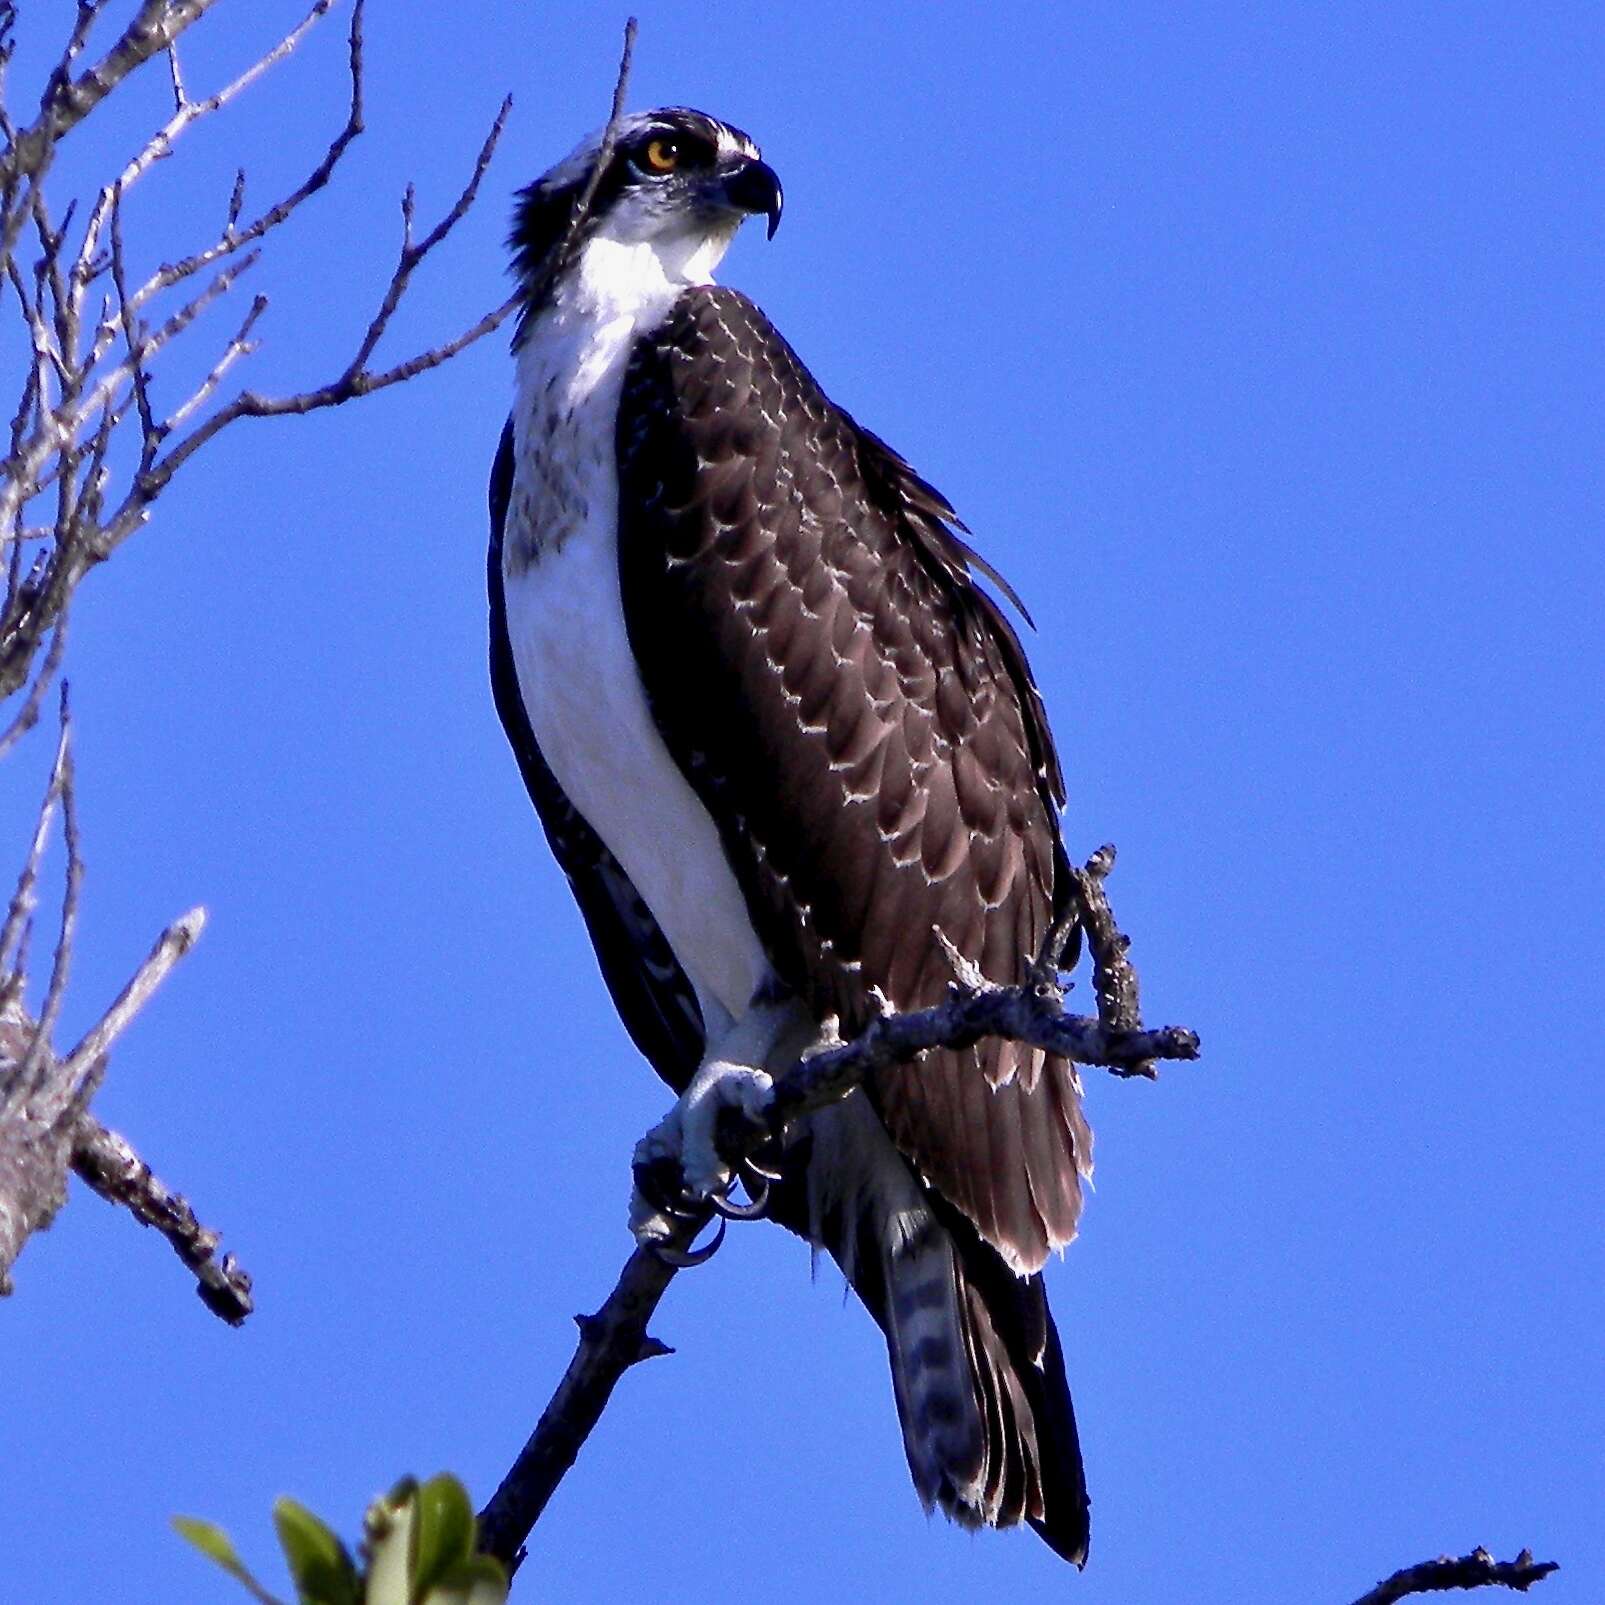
(544, 210)
(541, 215)
(541, 220)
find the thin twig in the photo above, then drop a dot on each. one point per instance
(412, 255)
(1477, 1570)
(240, 346)
(176, 76)
(23, 899)
(171, 946)
(1114, 981)
(150, 435)
(72, 884)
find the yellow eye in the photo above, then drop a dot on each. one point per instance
(662, 156)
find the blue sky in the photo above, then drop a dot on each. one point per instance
(1260, 347)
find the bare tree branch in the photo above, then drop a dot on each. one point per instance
(90, 370)
(1477, 1570)
(615, 1338)
(67, 101)
(107, 1162)
(93, 327)
(45, 1125)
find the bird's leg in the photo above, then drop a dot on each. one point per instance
(683, 1146)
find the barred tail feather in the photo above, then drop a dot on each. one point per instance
(977, 1371)
(943, 1432)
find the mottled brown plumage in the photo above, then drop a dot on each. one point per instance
(801, 606)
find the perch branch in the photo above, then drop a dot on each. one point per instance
(616, 1338)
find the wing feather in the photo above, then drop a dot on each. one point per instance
(860, 717)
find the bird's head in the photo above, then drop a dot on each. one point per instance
(677, 183)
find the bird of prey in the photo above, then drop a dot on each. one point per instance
(789, 755)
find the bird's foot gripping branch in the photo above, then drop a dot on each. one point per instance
(616, 1337)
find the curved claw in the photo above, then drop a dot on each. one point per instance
(757, 1200)
(683, 1259)
(759, 1166)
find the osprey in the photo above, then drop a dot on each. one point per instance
(789, 755)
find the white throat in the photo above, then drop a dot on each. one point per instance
(638, 280)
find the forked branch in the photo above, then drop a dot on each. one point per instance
(45, 1124)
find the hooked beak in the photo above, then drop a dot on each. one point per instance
(752, 186)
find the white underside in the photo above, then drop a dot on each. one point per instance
(576, 671)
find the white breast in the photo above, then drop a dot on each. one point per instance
(576, 671)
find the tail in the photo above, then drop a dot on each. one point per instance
(1032, 1467)
(977, 1371)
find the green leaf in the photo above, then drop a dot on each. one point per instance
(319, 1563)
(477, 1581)
(445, 1532)
(216, 1545)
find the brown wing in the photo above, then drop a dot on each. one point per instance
(861, 719)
